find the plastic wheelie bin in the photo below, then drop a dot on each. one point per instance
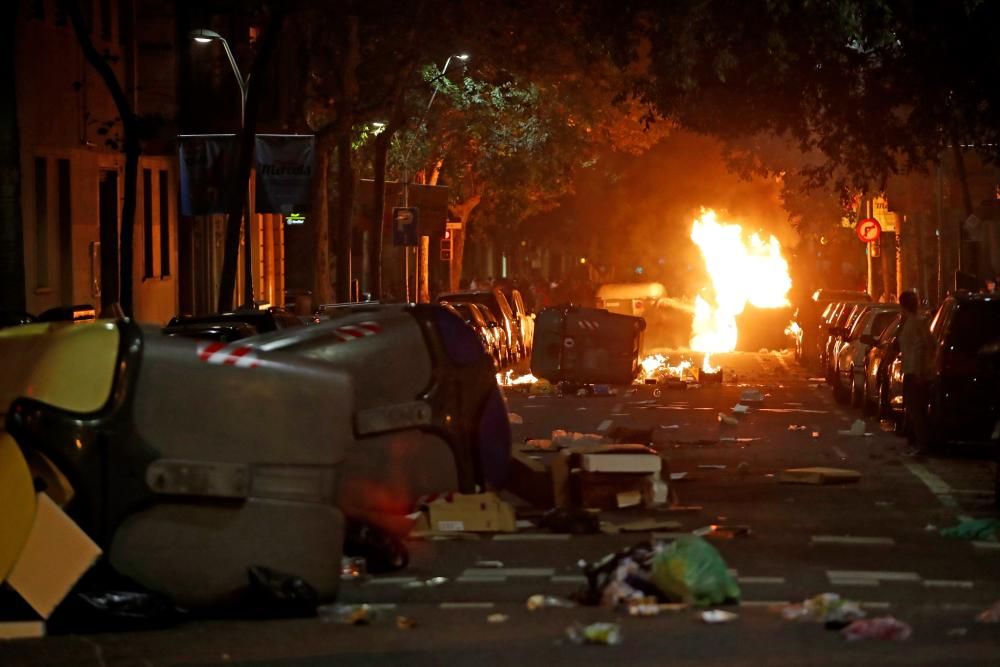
(430, 417)
(581, 346)
(189, 462)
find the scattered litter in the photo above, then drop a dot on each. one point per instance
(752, 396)
(958, 632)
(931, 528)
(798, 427)
(857, 429)
(818, 476)
(727, 420)
(722, 531)
(671, 427)
(883, 627)
(718, 616)
(650, 606)
(740, 409)
(515, 418)
(815, 434)
(991, 615)
(352, 569)
(675, 476)
(887, 426)
(692, 570)
(827, 608)
(739, 441)
(405, 623)
(493, 564)
(711, 466)
(561, 438)
(497, 618)
(426, 583)
(350, 614)
(536, 602)
(979, 530)
(608, 634)
(572, 521)
(537, 444)
(640, 526)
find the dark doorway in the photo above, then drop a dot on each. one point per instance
(108, 224)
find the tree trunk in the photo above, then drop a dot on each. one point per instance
(131, 149)
(378, 215)
(12, 286)
(345, 210)
(240, 181)
(464, 212)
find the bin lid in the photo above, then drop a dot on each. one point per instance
(631, 291)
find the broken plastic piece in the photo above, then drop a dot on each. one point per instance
(497, 618)
(827, 608)
(718, 616)
(405, 623)
(883, 627)
(607, 634)
(991, 615)
(727, 420)
(536, 602)
(740, 409)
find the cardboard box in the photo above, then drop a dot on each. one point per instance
(566, 495)
(647, 463)
(608, 490)
(529, 478)
(472, 513)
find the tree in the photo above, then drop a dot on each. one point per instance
(116, 274)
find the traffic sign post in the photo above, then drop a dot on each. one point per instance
(868, 230)
(404, 226)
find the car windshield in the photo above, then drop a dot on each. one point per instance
(975, 324)
(859, 326)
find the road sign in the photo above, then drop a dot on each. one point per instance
(868, 230)
(446, 246)
(404, 226)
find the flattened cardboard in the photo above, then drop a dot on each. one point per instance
(54, 558)
(472, 513)
(818, 475)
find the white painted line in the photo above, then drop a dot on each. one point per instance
(850, 539)
(390, 581)
(937, 485)
(619, 414)
(463, 579)
(946, 583)
(987, 546)
(761, 580)
(568, 579)
(530, 537)
(509, 572)
(764, 603)
(617, 407)
(872, 583)
(873, 574)
(604, 426)
(840, 453)
(781, 359)
(466, 605)
(581, 409)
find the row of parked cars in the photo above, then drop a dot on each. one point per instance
(192, 452)
(855, 342)
(500, 320)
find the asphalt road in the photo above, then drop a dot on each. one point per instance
(875, 541)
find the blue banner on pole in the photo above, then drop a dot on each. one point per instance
(206, 167)
(284, 172)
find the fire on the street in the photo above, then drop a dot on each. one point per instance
(509, 380)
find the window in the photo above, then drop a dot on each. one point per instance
(147, 223)
(164, 224)
(65, 213)
(41, 223)
(105, 20)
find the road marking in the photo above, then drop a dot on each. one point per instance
(760, 580)
(781, 359)
(530, 537)
(850, 539)
(937, 485)
(840, 453)
(568, 579)
(390, 581)
(946, 583)
(617, 407)
(619, 414)
(467, 605)
(509, 572)
(465, 579)
(788, 411)
(604, 426)
(854, 582)
(873, 574)
(581, 409)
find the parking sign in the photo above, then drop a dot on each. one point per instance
(404, 226)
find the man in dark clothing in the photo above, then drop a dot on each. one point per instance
(916, 356)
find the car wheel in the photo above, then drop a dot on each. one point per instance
(839, 392)
(857, 390)
(868, 402)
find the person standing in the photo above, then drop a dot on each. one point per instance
(916, 356)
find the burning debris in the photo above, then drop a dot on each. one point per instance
(508, 379)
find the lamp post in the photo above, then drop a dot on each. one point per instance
(203, 36)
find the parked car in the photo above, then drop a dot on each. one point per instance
(881, 353)
(227, 327)
(964, 404)
(849, 382)
(495, 300)
(811, 315)
(525, 321)
(837, 327)
(838, 341)
(471, 315)
(499, 333)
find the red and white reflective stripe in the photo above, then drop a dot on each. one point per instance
(234, 354)
(589, 325)
(351, 332)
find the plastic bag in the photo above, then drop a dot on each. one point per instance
(608, 634)
(983, 530)
(827, 608)
(883, 627)
(691, 569)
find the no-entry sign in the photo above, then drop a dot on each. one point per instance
(868, 230)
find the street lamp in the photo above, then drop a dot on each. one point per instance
(204, 36)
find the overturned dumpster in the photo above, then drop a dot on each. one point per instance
(186, 464)
(430, 417)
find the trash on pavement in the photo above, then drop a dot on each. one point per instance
(722, 531)
(991, 615)
(711, 466)
(350, 614)
(815, 435)
(752, 396)
(530, 478)
(857, 429)
(537, 444)
(376, 551)
(818, 475)
(572, 521)
(798, 427)
(727, 420)
(714, 616)
(515, 418)
(883, 627)
(561, 438)
(538, 601)
(595, 475)
(476, 513)
(827, 608)
(692, 570)
(607, 634)
(353, 568)
(497, 618)
(631, 498)
(655, 491)
(405, 623)
(426, 583)
(274, 594)
(640, 526)
(740, 409)
(979, 530)
(493, 564)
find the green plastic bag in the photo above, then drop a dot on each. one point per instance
(984, 530)
(689, 568)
